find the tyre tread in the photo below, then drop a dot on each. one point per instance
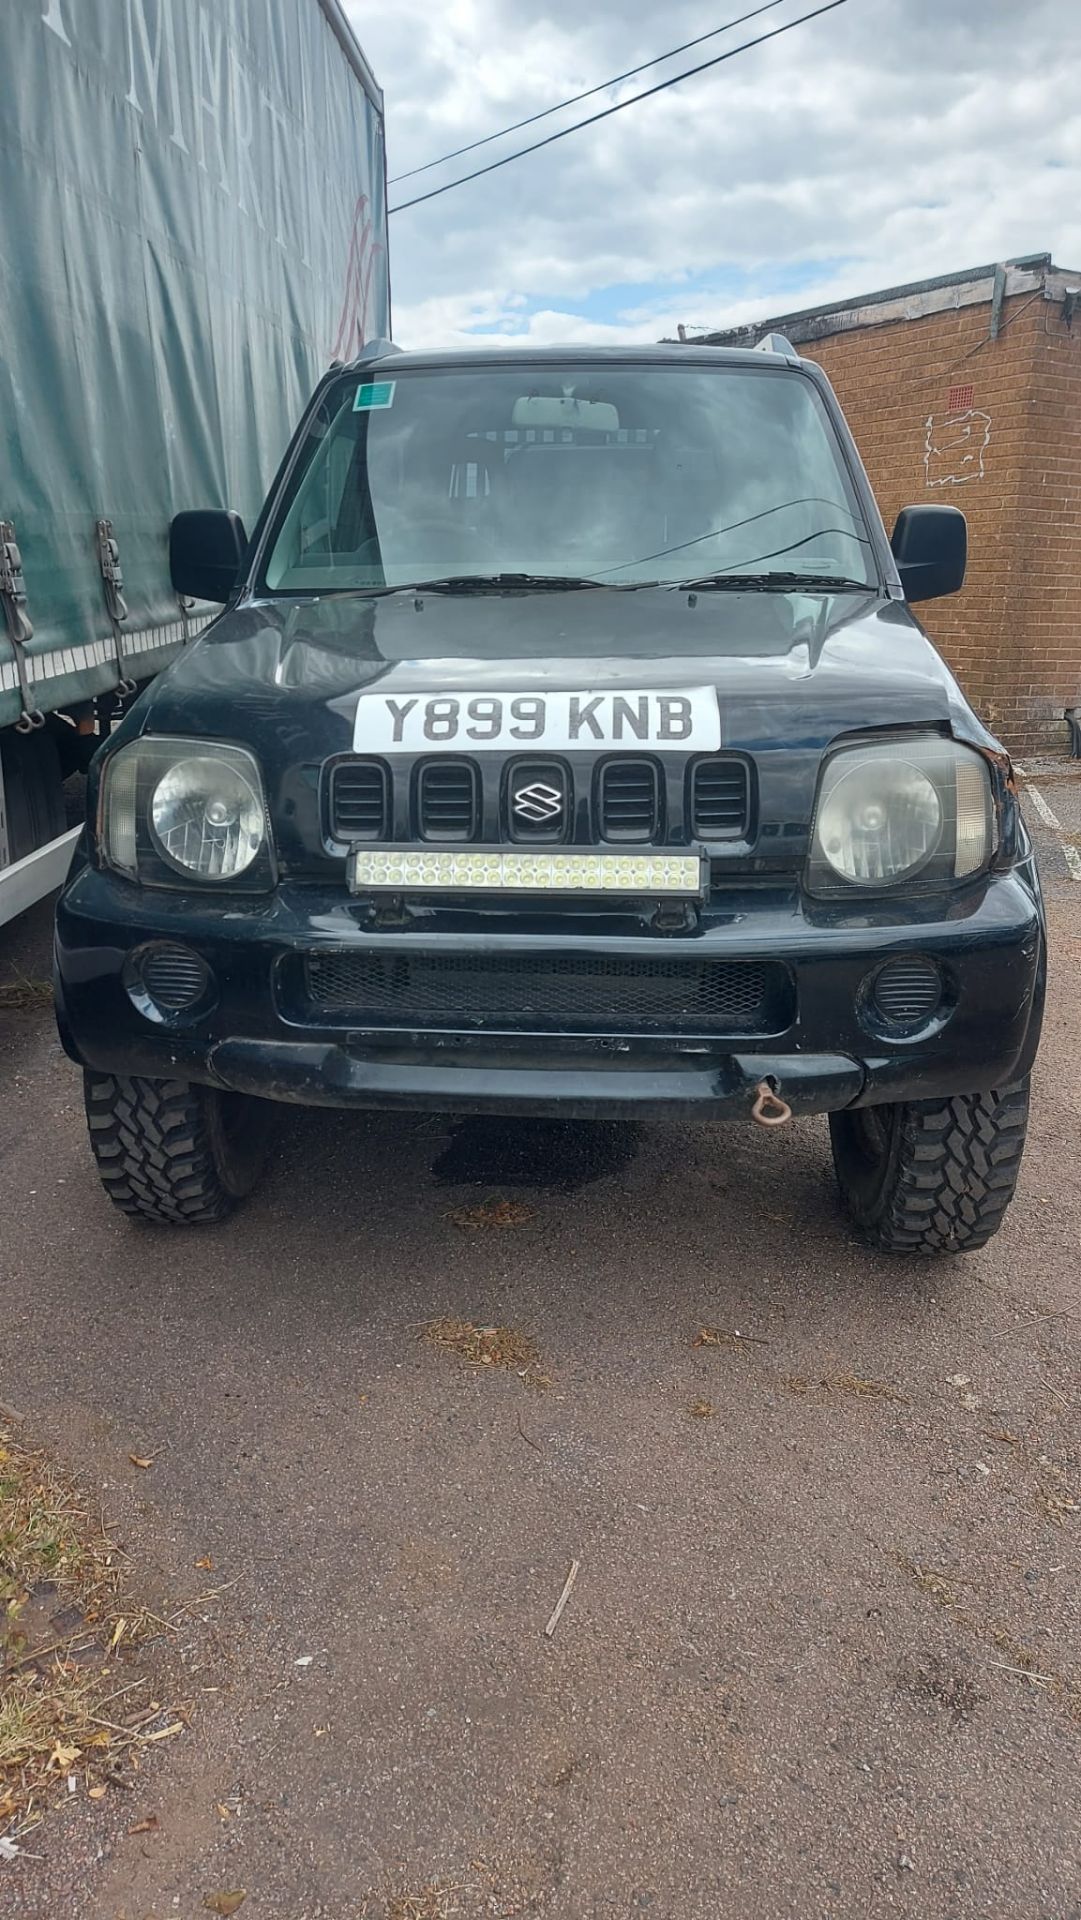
(154, 1151)
(951, 1175)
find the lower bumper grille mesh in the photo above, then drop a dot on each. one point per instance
(562, 992)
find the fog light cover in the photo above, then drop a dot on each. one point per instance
(166, 981)
(906, 992)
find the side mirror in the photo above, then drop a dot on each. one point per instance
(930, 546)
(206, 548)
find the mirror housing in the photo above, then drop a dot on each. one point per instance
(206, 547)
(930, 546)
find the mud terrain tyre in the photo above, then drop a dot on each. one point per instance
(174, 1153)
(931, 1176)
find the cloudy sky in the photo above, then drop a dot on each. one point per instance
(883, 142)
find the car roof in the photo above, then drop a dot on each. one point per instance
(384, 355)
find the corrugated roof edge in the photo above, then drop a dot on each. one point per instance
(351, 47)
(1026, 273)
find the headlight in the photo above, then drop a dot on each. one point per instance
(207, 818)
(183, 811)
(901, 811)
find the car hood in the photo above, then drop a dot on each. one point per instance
(792, 670)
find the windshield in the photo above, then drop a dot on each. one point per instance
(621, 475)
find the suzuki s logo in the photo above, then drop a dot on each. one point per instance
(538, 803)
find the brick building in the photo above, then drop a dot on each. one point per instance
(967, 389)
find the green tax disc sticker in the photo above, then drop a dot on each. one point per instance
(373, 394)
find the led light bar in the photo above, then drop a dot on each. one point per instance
(492, 870)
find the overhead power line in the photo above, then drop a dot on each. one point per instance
(616, 80)
(718, 59)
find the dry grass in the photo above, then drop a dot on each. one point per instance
(23, 995)
(491, 1213)
(66, 1630)
(852, 1384)
(481, 1885)
(720, 1337)
(1055, 1496)
(48, 1533)
(488, 1347)
(942, 1587)
(1018, 1660)
(701, 1409)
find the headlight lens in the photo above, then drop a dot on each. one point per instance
(177, 811)
(901, 811)
(879, 822)
(207, 818)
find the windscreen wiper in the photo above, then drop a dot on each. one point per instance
(776, 583)
(474, 582)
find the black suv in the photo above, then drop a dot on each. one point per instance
(566, 746)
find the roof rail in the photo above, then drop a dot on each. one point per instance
(374, 350)
(776, 343)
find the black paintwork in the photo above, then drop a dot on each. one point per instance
(795, 673)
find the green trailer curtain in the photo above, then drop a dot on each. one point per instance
(192, 225)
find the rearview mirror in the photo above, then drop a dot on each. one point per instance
(206, 547)
(930, 546)
(547, 410)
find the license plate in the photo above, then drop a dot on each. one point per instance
(680, 720)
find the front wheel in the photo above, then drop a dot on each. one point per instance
(172, 1152)
(931, 1176)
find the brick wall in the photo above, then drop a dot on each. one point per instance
(1013, 636)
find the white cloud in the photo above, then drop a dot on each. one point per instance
(878, 143)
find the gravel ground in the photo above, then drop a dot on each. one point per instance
(785, 1682)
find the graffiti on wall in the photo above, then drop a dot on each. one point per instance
(954, 445)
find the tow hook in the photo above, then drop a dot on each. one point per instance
(769, 1109)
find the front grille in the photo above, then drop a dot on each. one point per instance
(629, 800)
(720, 802)
(558, 992)
(359, 800)
(907, 992)
(629, 796)
(448, 800)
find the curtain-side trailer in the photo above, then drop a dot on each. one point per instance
(192, 227)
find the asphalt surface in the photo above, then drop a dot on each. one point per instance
(785, 1683)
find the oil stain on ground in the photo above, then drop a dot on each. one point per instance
(558, 1154)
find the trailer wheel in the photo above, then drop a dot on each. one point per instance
(171, 1152)
(931, 1176)
(32, 789)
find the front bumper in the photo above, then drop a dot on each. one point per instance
(988, 943)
